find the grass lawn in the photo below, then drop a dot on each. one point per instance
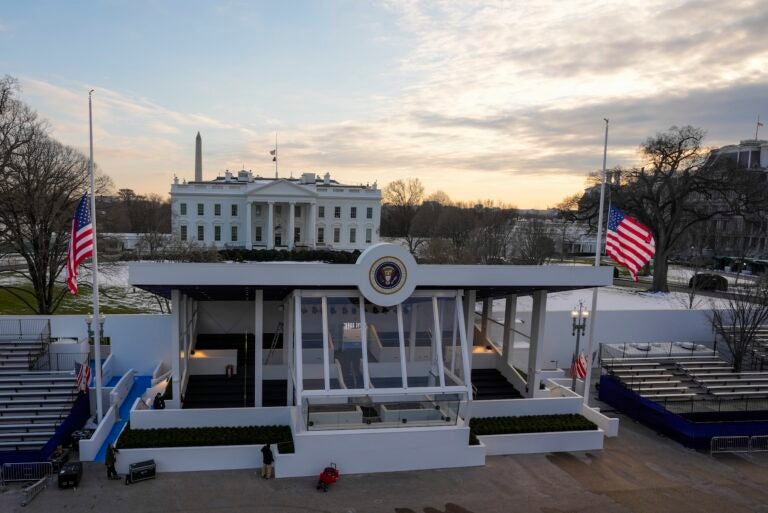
(113, 301)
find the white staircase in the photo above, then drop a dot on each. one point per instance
(32, 403)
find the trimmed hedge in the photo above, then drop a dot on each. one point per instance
(527, 424)
(205, 437)
(296, 255)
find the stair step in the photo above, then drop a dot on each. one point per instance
(36, 386)
(27, 410)
(6, 420)
(42, 436)
(16, 445)
(32, 393)
(28, 427)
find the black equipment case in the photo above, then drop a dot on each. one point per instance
(70, 474)
(140, 471)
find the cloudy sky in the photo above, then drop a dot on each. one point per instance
(500, 100)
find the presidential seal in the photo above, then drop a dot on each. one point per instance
(387, 275)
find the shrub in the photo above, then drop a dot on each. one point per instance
(208, 436)
(527, 424)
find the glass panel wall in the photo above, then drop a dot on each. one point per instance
(451, 342)
(421, 349)
(345, 336)
(383, 347)
(312, 344)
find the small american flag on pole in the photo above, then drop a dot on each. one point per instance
(82, 375)
(80, 242)
(628, 242)
(579, 366)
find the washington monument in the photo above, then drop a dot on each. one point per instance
(198, 158)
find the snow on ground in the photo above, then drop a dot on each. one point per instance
(612, 298)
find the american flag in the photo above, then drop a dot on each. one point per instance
(82, 375)
(80, 242)
(579, 366)
(628, 242)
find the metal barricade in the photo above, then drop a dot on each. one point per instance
(15, 472)
(758, 443)
(31, 491)
(720, 444)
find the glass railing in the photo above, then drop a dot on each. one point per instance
(370, 413)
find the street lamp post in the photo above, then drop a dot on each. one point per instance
(578, 328)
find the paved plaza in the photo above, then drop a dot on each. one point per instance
(637, 472)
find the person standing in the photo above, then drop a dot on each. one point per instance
(110, 462)
(267, 462)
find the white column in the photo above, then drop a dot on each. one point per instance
(270, 219)
(311, 235)
(298, 358)
(469, 318)
(510, 313)
(364, 343)
(291, 223)
(177, 318)
(487, 305)
(288, 342)
(401, 340)
(258, 354)
(412, 333)
(248, 225)
(538, 319)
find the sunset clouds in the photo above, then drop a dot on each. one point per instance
(503, 100)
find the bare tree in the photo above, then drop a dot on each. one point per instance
(41, 181)
(533, 242)
(679, 186)
(403, 198)
(738, 322)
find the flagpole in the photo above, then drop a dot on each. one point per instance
(592, 320)
(275, 155)
(757, 127)
(96, 324)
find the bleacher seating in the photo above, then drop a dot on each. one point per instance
(32, 404)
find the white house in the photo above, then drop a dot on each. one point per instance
(250, 211)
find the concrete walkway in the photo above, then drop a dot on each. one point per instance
(638, 472)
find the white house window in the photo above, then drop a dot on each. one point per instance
(296, 234)
(183, 232)
(297, 210)
(258, 233)
(234, 210)
(321, 211)
(217, 233)
(353, 212)
(337, 212)
(368, 235)
(337, 235)
(183, 209)
(233, 234)
(369, 213)
(352, 235)
(201, 232)
(217, 209)
(200, 209)
(321, 235)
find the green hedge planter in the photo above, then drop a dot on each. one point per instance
(204, 437)
(528, 424)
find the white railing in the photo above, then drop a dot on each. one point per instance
(121, 389)
(25, 328)
(90, 448)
